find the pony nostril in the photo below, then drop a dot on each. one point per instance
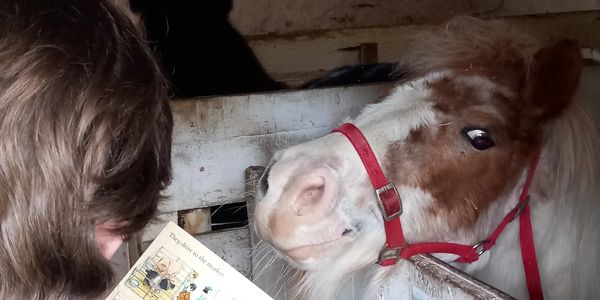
(347, 231)
(309, 198)
(312, 194)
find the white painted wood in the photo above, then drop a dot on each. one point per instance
(215, 140)
(233, 246)
(273, 17)
(152, 231)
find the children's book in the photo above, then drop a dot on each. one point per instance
(176, 266)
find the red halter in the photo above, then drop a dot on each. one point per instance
(397, 247)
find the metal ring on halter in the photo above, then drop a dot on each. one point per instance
(520, 207)
(389, 253)
(480, 247)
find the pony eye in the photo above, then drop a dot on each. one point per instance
(479, 138)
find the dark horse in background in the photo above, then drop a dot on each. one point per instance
(203, 54)
(200, 51)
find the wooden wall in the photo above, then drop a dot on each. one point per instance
(313, 32)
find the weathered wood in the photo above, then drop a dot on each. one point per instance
(251, 176)
(135, 249)
(194, 221)
(450, 282)
(271, 17)
(232, 245)
(320, 50)
(366, 52)
(120, 262)
(152, 231)
(503, 8)
(216, 139)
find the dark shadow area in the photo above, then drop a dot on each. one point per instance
(199, 50)
(358, 74)
(202, 54)
(226, 216)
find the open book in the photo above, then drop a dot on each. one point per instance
(176, 266)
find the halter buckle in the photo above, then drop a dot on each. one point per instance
(387, 254)
(521, 207)
(390, 186)
(480, 247)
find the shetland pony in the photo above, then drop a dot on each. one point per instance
(456, 138)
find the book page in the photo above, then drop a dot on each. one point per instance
(176, 266)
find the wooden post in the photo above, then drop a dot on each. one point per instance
(367, 52)
(269, 272)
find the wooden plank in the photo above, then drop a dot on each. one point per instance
(154, 228)
(591, 90)
(293, 17)
(205, 120)
(210, 174)
(320, 50)
(287, 17)
(443, 281)
(195, 221)
(216, 139)
(233, 246)
(120, 263)
(501, 8)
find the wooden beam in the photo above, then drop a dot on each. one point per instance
(216, 139)
(319, 51)
(264, 18)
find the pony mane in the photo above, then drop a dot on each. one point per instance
(565, 205)
(468, 42)
(572, 143)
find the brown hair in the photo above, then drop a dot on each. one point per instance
(85, 137)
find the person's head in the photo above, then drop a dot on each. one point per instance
(85, 144)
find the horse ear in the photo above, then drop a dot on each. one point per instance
(552, 79)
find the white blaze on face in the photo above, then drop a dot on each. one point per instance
(319, 198)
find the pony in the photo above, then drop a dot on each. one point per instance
(481, 100)
(199, 49)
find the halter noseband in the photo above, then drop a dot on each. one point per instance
(396, 246)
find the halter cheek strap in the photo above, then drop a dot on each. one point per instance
(396, 246)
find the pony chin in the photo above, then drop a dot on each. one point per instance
(325, 279)
(313, 256)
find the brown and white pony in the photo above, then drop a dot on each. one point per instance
(457, 140)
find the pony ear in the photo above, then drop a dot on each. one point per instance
(552, 79)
